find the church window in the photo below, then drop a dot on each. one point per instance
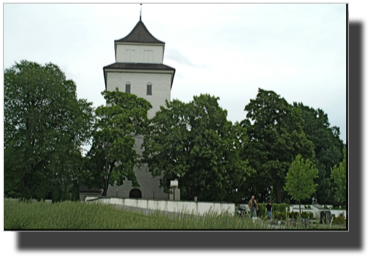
(149, 89)
(128, 88)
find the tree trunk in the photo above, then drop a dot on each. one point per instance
(105, 188)
(299, 203)
(278, 194)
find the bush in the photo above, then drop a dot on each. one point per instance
(279, 210)
(280, 207)
(293, 214)
(12, 194)
(286, 201)
(307, 215)
(339, 220)
(262, 209)
(279, 215)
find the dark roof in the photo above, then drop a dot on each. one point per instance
(138, 66)
(84, 188)
(140, 34)
(143, 66)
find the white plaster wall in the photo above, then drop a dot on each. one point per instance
(136, 53)
(171, 206)
(337, 212)
(82, 196)
(147, 185)
(161, 86)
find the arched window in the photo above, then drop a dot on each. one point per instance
(128, 88)
(135, 193)
(149, 89)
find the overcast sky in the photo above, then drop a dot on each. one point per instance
(226, 50)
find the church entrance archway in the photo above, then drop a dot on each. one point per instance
(135, 193)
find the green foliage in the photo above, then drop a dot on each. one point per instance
(299, 179)
(275, 137)
(328, 149)
(118, 125)
(287, 201)
(338, 174)
(75, 196)
(304, 214)
(293, 214)
(279, 215)
(44, 126)
(194, 143)
(280, 207)
(262, 209)
(339, 220)
(57, 194)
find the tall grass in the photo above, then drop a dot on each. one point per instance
(89, 216)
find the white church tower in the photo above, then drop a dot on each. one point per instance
(139, 70)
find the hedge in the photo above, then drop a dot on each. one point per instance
(339, 220)
(279, 210)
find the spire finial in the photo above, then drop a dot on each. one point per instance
(140, 10)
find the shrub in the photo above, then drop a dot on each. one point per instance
(279, 215)
(307, 215)
(262, 209)
(280, 207)
(339, 220)
(293, 214)
(286, 201)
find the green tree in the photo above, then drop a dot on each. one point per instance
(275, 137)
(328, 148)
(118, 125)
(196, 144)
(338, 174)
(43, 121)
(300, 179)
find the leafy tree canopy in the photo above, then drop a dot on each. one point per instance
(275, 137)
(118, 124)
(328, 148)
(338, 174)
(44, 124)
(196, 144)
(300, 179)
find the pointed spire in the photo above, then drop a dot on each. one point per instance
(140, 10)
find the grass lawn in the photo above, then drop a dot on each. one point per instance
(89, 216)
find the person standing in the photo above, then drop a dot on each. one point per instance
(269, 210)
(252, 205)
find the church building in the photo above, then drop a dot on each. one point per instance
(139, 70)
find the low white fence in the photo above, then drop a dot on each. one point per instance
(315, 210)
(167, 205)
